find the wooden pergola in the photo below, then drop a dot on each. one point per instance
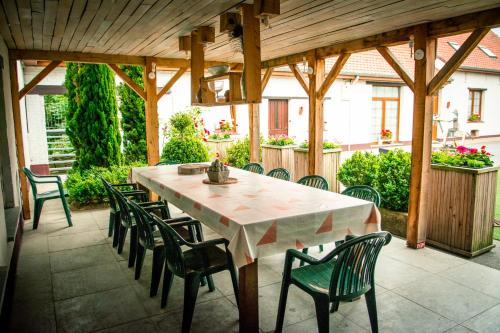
(147, 33)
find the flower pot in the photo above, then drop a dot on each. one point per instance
(219, 147)
(218, 176)
(331, 164)
(278, 157)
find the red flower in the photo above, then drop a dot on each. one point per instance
(483, 149)
(462, 149)
(473, 150)
(205, 139)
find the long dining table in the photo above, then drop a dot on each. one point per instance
(260, 216)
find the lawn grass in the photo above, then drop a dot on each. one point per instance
(496, 233)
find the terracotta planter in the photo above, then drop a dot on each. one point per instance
(278, 157)
(331, 164)
(461, 209)
(219, 146)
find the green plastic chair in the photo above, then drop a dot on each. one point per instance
(150, 239)
(114, 209)
(201, 260)
(314, 181)
(40, 198)
(280, 173)
(254, 167)
(344, 274)
(364, 192)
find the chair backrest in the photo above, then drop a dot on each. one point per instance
(171, 240)
(314, 181)
(111, 196)
(31, 179)
(145, 230)
(254, 167)
(279, 173)
(364, 192)
(125, 214)
(354, 268)
(166, 162)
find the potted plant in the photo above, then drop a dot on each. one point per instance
(474, 118)
(463, 187)
(219, 141)
(331, 162)
(277, 152)
(386, 136)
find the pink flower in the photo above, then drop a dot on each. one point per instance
(205, 139)
(462, 149)
(473, 150)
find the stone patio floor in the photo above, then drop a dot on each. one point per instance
(72, 280)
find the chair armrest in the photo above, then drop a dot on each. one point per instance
(55, 181)
(151, 203)
(133, 185)
(208, 243)
(135, 193)
(178, 219)
(292, 253)
(183, 223)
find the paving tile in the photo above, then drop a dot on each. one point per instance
(490, 258)
(73, 241)
(447, 298)
(33, 316)
(215, 316)
(488, 321)
(139, 326)
(477, 277)
(460, 329)
(267, 276)
(338, 324)
(87, 280)
(391, 273)
(397, 314)
(37, 244)
(81, 257)
(33, 279)
(98, 311)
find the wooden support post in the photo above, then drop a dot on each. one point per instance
(128, 81)
(249, 298)
(251, 55)
(421, 139)
(254, 132)
(315, 115)
(152, 126)
(18, 131)
(170, 83)
(39, 77)
(232, 111)
(197, 66)
(267, 76)
(456, 60)
(396, 65)
(299, 76)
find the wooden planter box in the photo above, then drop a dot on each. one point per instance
(461, 208)
(278, 157)
(219, 146)
(394, 222)
(331, 164)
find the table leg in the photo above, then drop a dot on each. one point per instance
(249, 298)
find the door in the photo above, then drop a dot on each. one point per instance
(278, 117)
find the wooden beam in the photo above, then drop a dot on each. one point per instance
(315, 115)
(396, 65)
(171, 82)
(299, 76)
(18, 132)
(421, 146)
(39, 77)
(450, 26)
(251, 55)
(267, 75)
(134, 86)
(334, 72)
(254, 132)
(232, 111)
(98, 58)
(197, 59)
(456, 60)
(151, 106)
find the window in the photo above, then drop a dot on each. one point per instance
(454, 45)
(487, 51)
(385, 111)
(475, 104)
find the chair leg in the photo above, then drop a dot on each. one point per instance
(66, 210)
(321, 248)
(111, 224)
(210, 282)
(234, 280)
(168, 277)
(304, 250)
(141, 253)
(158, 262)
(371, 304)
(116, 231)
(122, 234)
(322, 313)
(191, 286)
(282, 307)
(37, 212)
(133, 246)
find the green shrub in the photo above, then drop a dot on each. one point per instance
(393, 179)
(360, 169)
(463, 157)
(85, 186)
(326, 145)
(281, 140)
(185, 150)
(238, 154)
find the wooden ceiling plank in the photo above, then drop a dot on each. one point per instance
(456, 60)
(396, 65)
(49, 22)
(14, 23)
(334, 72)
(74, 18)
(299, 76)
(99, 17)
(38, 78)
(62, 16)
(128, 81)
(88, 15)
(5, 29)
(100, 58)
(171, 82)
(112, 15)
(451, 26)
(24, 10)
(37, 13)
